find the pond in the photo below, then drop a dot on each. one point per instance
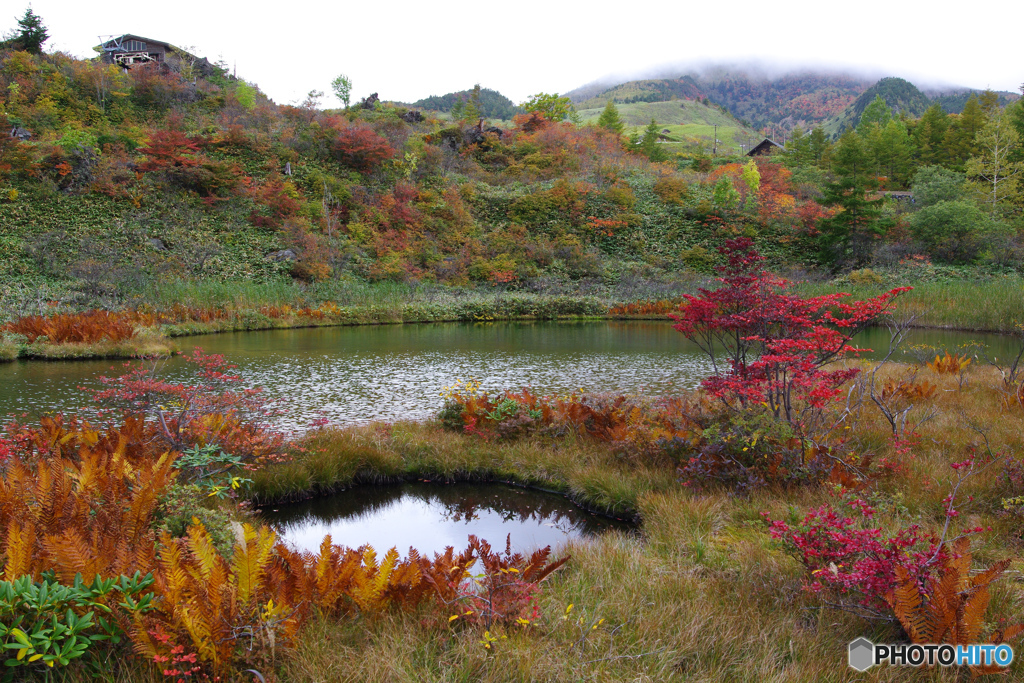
(431, 516)
(353, 375)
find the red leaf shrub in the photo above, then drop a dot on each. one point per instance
(169, 149)
(849, 555)
(359, 147)
(212, 411)
(771, 347)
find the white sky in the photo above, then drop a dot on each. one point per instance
(406, 50)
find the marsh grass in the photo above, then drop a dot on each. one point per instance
(9, 350)
(994, 305)
(146, 344)
(704, 593)
(332, 459)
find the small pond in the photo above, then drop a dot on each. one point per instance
(432, 516)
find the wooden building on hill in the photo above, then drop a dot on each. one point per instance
(765, 147)
(131, 49)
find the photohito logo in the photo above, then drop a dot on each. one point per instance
(864, 654)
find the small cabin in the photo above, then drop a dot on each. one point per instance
(130, 49)
(764, 148)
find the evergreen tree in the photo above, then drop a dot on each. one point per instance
(31, 33)
(821, 148)
(846, 239)
(972, 120)
(648, 143)
(989, 103)
(609, 119)
(799, 148)
(1015, 115)
(876, 114)
(930, 136)
(891, 147)
(472, 111)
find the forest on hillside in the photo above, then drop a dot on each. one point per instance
(117, 180)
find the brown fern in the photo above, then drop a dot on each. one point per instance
(954, 610)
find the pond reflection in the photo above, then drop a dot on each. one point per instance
(430, 517)
(353, 375)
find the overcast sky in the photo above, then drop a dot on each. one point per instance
(408, 50)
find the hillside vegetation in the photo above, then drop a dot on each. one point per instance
(133, 179)
(490, 104)
(803, 99)
(782, 102)
(901, 96)
(689, 123)
(660, 90)
(125, 185)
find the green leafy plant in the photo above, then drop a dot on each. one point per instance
(46, 623)
(210, 468)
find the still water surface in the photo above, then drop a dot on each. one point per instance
(352, 375)
(430, 517)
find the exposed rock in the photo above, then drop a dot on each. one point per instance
(283, 255)
(412, 116)
(20, 133)
(370, 102)
(157, 244)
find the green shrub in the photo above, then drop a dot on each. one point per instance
(45, 623)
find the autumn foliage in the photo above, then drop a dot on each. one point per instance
(361, 148)
(81, 500)
(769, 346)
(635, 425)
(87, 327)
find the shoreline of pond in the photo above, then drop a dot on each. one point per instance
(330, 460)
(629, 516)
(159, 343)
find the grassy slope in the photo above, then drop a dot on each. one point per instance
(682, 118)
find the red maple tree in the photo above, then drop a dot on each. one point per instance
(769, 346)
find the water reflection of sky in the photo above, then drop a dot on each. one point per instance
(354, 375)
(431, 517)
(349, 390)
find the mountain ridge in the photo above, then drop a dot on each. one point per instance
(784, 99)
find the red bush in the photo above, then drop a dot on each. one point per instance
(769, 346)
(169, 149)
(361, 148)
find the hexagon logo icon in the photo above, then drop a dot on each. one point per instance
(862, 654)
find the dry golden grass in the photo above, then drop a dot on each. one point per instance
(703, 593)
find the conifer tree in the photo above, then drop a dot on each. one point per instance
(930, 136)
(972, 120)
(891, 148)
(846, 238)
(820, 147)
(649, 143)
(1015, 114)
(31, 33)
(609, 119)
(877, 113)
